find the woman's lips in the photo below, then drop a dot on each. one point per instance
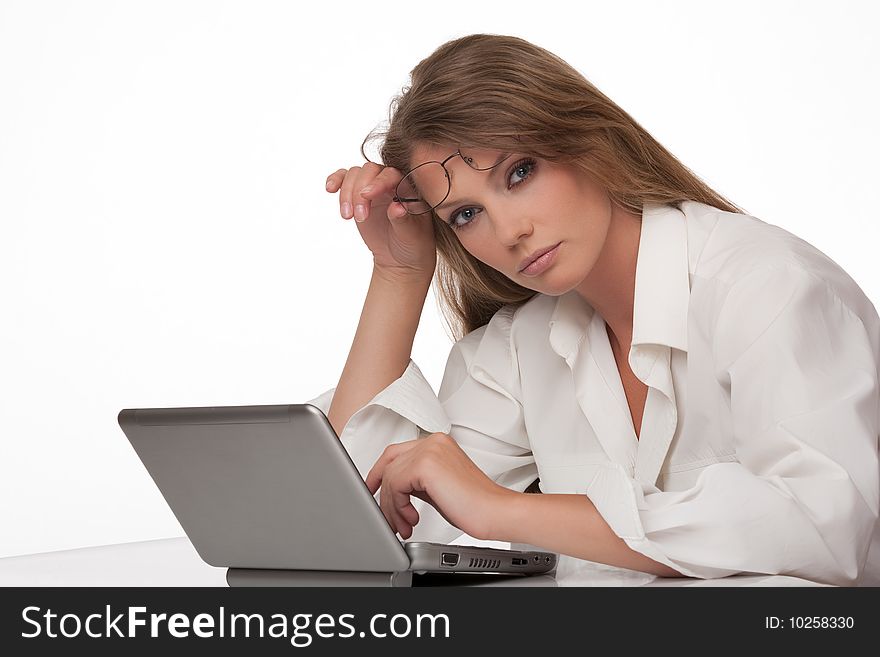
(542, 263)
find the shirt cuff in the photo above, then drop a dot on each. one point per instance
(619, 499)
(761, 528)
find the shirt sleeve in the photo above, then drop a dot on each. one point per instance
(476, 405)
(801, 367)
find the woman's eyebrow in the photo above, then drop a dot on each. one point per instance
(492, 174)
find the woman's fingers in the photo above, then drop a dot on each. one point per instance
(384, 183)
(394, 499)
(410, 514)
(376, 473)
(359, 186)
(399, 511)
(346, 191)
(368, 173)
(402, 506)
(334, 180)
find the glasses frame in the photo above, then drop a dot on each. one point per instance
(467, 160)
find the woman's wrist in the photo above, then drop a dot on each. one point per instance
(404, 276)
(506, 514)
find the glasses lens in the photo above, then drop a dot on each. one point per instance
(430, 177)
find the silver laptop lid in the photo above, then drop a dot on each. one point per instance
(246, 499)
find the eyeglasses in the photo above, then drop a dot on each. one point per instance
(407, 192)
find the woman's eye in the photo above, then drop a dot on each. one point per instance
(522, 166)
(466, 213)
(517, 175)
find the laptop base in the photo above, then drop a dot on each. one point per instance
(269, 577)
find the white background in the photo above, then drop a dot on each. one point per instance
(167, 240)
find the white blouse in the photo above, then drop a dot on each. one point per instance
(758, 450)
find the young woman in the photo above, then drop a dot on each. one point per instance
(693, 391)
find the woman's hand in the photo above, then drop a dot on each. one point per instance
(436, 470)
(401, 244)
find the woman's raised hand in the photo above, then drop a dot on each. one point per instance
(402, 244)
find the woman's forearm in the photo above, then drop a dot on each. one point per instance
(382, 344)
(569, 524)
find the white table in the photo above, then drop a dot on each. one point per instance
(174, 562)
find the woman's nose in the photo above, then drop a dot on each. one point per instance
(511, 226)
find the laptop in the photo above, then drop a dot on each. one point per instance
(271, 488)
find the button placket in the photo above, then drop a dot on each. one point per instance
(661, 419)
(613, 428)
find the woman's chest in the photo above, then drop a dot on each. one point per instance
(636, 392)
(586, 411)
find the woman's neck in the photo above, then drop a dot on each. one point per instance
(610, 286)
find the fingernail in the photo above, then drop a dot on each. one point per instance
(346, 210)
(360, 212)
(367, 190)
(329, 184)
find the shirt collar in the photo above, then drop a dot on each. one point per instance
(662, 289)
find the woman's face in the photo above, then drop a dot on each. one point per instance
(523, 205)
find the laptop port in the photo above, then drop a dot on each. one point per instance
(519, 561)
(448, 559)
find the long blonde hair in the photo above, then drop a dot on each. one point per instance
(504, 93)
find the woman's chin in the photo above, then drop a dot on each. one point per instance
(549, 285)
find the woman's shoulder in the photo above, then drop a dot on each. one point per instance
(494, 343)
(742, 247)
(539, 307)
(739, 243)
(748, 263)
